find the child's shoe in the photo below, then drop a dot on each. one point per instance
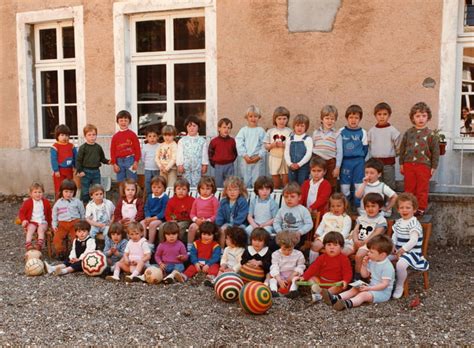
(209, 281)
(328, 298)
(179, 276)
(397, 293)
(316, 297)
(419, 213)
(141, 277)
(169, 279)
(112, 277)
(275, 294)
(49, 268)
(340, 305)
(130, 279)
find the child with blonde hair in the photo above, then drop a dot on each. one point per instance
(166, 155)
(274, 142)
(298, 150)
(233, 207)
(99, 211)
(287, 265)
(63, 157)
(35, 216)
(129, 207)
(192, 158)
(250, 146)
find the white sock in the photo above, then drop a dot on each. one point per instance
(313, 255)
(402, 274)
(50, 269)
(117, 272)
(273, 284)
(64, 271)
(293, 286)
(134, 274)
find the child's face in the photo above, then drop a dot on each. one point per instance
(91, 137)
(233, 192)
(169, 138)
(123, 123)
(406, 209)
(171, 238)
(152, 138)
(286, 251)
(337, 206)
(130, 191)
(372, 209)
(264, 192)
(376, 256)
(281, 121)
(328, 121)
(192, 129)
(181, 191)
(353, 120)
(258, 244)
(134, 235)
(382, 117)
(207, 237)
(300, 128)
(229, 242)
(116, 237)
(157, 188)
(252, 120)
(372, 175)
(420, 119)
(292, 199)
(224, 130)
(36, 194)
(317, 173)
(205, 191)
(332, 249)
(68, 194)
(82, 234)
(63, 138)
(98, 197)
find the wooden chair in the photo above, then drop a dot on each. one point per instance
(316, 216)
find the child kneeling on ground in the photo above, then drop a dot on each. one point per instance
(378, 267)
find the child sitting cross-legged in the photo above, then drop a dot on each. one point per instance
(171, 253)
(115, 243)
(136, 256)
(81, 245)
(205, 255)
(331, 267)
(378, 267)
(287, 265)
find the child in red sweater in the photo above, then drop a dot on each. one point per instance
(330, 267)
(178, 208)
(316, 191)
(35, 216)
(125, 149)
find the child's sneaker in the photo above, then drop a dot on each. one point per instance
(316, 297)
(275, 294)
(397, 293)
(178, 276)
(340, 305)
(141, 277)
(169, 279)
(130, 279)
(328, 298)
(48, 267)
(112, 277)
(209, 281)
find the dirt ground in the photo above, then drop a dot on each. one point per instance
(80, 310)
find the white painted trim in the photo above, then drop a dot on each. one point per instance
(24, 23)
(123, 50)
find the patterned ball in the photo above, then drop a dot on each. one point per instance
(250, 274)
(255, 298)
(227, 286)
(153, 275)
(94, 263)
(34, 267)
(33, 254)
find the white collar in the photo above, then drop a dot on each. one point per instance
(317, 183)
(206, 198)
(262, 252)
(375, 183)
(160, 196)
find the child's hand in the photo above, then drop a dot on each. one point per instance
(402, 171)
(294, 166)
(199, 221)
(81, 174)
(205, 268)
(203, 169)
(255, 159)
(181, 257)
(344, 284)
(364, 288)
(335, 172)
(400, 252)
(365, 180)
(57, 174)
(116, 168)
(133, 263)
(24, 223)
(113, 250)
(125, 221)
(365, 261)
(223, 267)
(198, 266)
(280, 144)
(73, 260)
(180, 169)
(55, 229)
(162, 266)
(433, 171)
(282, 283)
(247, 159)
(135, 166)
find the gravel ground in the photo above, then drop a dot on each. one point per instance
(78, 310)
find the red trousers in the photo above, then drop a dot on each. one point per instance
(191, 271)
(417, 181)
(64, 173)
(65, 229)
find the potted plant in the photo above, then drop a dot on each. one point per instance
(442, 141)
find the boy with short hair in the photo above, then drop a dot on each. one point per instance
(384, 140)
(89, 159)
(125, 149)
(293, 216)
(325, 140)
(298, 150)
(354, 147)
(223, 152)
(99, 211)
(63, 156)
(371, 183)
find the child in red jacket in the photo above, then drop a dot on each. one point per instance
(35, 216)
(316, 191)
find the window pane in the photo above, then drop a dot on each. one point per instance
(68, 42)
(184, 110)
(48, 44)
(49, 87)
(70, 86)
(71, 118)
(150, 36)
(150, 115)
(50, 121)
(467, 96)
(189, 33)
(190, 81)
(151, 82)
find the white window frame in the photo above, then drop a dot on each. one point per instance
(60, 65)
(25, 23)
(126, 13)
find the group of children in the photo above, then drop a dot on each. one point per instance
(216, 232)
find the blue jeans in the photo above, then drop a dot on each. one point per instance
(170, 267)
(124, 164)
(299, 175)
(149, 174)
(92, 177)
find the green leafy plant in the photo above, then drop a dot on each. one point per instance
(441, 137)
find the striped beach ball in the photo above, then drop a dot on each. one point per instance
(227, 286)
(251, 274)
(255, 298)
(94, 263)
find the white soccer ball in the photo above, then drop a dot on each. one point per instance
(34, 267)
(153, 275)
